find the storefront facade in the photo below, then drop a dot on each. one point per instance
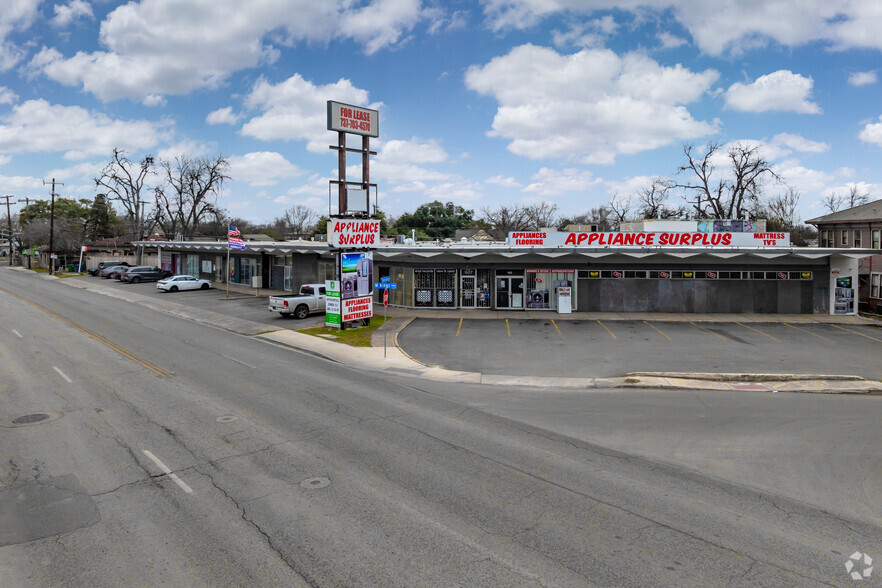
(502, 276)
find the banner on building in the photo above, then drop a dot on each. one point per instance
(647, 239)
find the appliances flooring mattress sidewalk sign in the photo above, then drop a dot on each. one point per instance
(339, 310)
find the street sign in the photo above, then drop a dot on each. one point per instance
(384, 286)
(386, 279)
(385, 297)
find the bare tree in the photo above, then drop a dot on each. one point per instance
(189, 194)
(836, 201)
(726, 198)
(653, 201)
(297, 220)
(123, 181)
(620, 209)
(541, 215)
(505, 219)
(781, 209)
(600, 216)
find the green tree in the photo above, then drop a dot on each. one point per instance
(435, 219)
(102, 221)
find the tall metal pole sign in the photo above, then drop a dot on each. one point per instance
(353, 233)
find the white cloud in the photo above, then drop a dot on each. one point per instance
(4, 159)
(552, 182)
(19, 184)
(153, 100)
(591, 105)
(15, 15)
(82, 171)
(169, 47)
(456, 192)
(185, 148)
(263, 168)
(412, 151)
(806, 180)
(505, 182)
(782, 90)
(222, 116)
(800, 143)
(670, 41)
(872, 133)
(316, 186)
(593, 33)
(38, 126)
(295, 109)
(862, 78)
(67, 13)
(721, 27)
(7, 96)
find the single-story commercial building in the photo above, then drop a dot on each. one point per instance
(648, 271)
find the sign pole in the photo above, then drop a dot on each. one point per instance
(385, 306)
(228, 271)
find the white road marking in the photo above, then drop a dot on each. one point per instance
(17, 334)
(168, 472)
(238, 361)
(62, 374)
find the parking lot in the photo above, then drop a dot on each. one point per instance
(596, 348)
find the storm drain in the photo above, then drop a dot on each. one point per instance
(314, 483)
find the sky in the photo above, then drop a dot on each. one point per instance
(482, 103)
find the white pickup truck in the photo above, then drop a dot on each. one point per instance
(310, 299)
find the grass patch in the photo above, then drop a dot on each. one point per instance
(360, 337)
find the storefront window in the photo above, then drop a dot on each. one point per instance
(193, 265)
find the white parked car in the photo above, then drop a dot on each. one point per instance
(175, 283)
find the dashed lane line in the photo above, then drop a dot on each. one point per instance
(63, 375)
(168, 472)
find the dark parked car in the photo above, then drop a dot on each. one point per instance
(111, 271)
(144, 273)
(105, 264)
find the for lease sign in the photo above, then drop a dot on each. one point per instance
(353, 119)
(564, 239)
(355, 233)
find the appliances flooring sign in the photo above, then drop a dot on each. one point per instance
(564, 239)
(353, 119)
(353, 233)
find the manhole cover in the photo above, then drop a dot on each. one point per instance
(29, 419)
(226, 419)
(313, 483)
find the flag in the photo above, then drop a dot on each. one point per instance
(234, 239)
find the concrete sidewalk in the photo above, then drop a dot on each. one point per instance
(394, 360)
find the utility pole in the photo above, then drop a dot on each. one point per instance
(9, 219)
(52, 226)
(27, 202)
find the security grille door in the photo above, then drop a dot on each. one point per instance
(467, 295)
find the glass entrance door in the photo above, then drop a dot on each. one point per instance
(509, 292)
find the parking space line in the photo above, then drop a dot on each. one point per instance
(856, 333)
(708, 331)
(557, 329)
(611, 334)
(459, 327)
(757, 331)
(17, 334)
(657, 330)
(810, 333)
(507, 328)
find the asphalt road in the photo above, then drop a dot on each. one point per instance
(614, 348)
(305, 472)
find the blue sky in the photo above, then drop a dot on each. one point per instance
(572, 102)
